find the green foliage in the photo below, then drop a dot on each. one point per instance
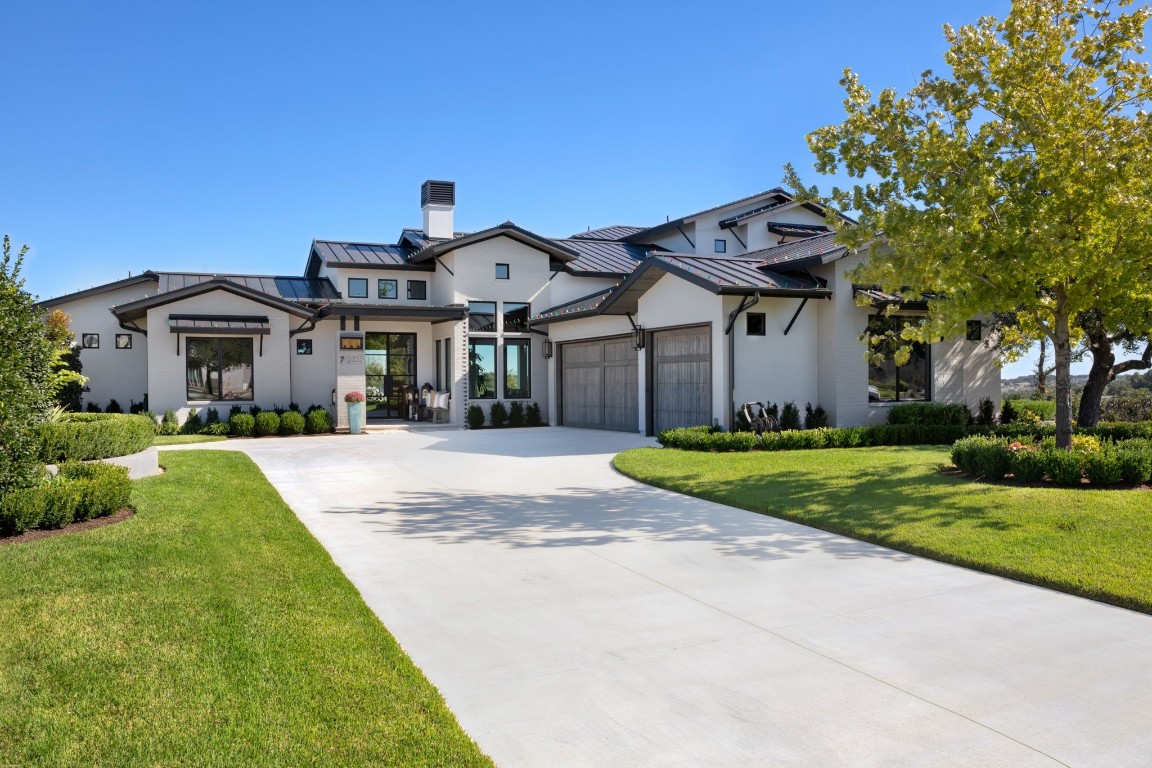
(102, 488)
(1007, 412)
(317, 421)
(193, 424)
(26, 357)
(475, 416)
(1134, 407)
(1028, 466)
(532, 416)
(516, 414)
(169, 425)
(930, 413)
(498, 415)
(1135, 459)
(220, 429)
(21, 509)
(92, 408)
(78, 492)
(1045, 410)
(814, 418)
(1014, 181)
(267, 423)
(86, 436)
(69, 389)
(789, 417)
(1062, 466)
(983, 456)
(706, 438)
(59, 500)
(986, 412)
(242, 425)
(113, 407)
(292, 423)
(211, 416)
(1103, 467)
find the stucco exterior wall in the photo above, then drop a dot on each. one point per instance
(774, 367)
(314, 376)
(167, 371)
(341, 275)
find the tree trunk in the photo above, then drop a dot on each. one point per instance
(1062, 351)
(1099, 377)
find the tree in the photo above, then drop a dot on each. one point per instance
(66, 383)
(1043, 370)
(1101, 342)
(1017, 183)
(25, 368)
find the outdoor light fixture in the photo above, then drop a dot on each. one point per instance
(638, 338)
(547, 350)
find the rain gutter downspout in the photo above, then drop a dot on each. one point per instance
(733, 316)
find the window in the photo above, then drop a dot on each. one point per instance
(90, 340)
(447, 363)
(417, 290)
(517, 368)
(502, 272)
(438, 367)
(887, 381)
(721, 246)
(123, 341)
(303, 346)
(385, 289)
(357, 287)
(219, 369)
(482, 316)
(756, 324)
(516, 317)
(975, 330)
(482, 369)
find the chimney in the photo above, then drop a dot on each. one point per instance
(437, 199)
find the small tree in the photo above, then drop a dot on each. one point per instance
(25, 370)
(66, 383)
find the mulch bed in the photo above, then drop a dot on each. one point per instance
(41, 533)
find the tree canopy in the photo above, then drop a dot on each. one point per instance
(1015, 183)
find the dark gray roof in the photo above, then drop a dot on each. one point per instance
(585, 305)
(145, 277)
(788, 229)
(133, 310)
(603, 257)
(240, 324)
(300, 289)
(735, 273)
(362, 254)
(614, 232)
(552, 247)
(780, 201)
(821, 248)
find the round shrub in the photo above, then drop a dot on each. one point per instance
(986, 457)
(498, 415)
(1135, 462)
(516, 414)
(20, 510)
(242, 424)
(317, 421)
(1064, 467)
(1103, 467)
(292, 423)
(86, 436)
(475, 416)
(267, 423)
(1028, 465)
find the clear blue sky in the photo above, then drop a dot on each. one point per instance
(226, 136)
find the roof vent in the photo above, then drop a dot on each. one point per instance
(438, 193)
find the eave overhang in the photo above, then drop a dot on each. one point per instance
(135, 310)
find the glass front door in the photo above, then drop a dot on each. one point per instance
(389, 367)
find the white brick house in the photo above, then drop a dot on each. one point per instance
(624, 328)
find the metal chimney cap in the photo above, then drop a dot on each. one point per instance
(437, 193)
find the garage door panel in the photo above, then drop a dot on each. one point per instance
(682, 378)
(599, 382)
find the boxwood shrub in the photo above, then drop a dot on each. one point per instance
(1064, 467)
(317, 421)
(103, 488)
(78, 492)
(956, 414)
(267, 423)
(242, 424)
(292, 423)
(86, 436)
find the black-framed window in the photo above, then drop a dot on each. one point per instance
(447, 364)
(516, 316)
(357, 287)
(219, 368)
(386, 289)
(439, 366)
(417, 290)
(90, 340)
(482, 369)
(756, 324)
(888, 381)
(123, 341)
(503, 272)
(482, 316)
(721, 245)
(517, 368)
(303, 346)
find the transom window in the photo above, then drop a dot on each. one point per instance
(385, 289)
(357, 287)
(887, 380)
(482, 316)
(219, 368)
(516, 317)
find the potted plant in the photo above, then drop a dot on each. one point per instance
(355, 401)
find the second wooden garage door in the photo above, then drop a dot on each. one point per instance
(682, 377)
(598, 384)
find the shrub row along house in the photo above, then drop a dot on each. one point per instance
(628, 328)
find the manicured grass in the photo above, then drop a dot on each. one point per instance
(210, 629)
(1092, 542)
(186, 439)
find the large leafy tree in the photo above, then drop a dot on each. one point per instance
(1017, 182)
(25, 369)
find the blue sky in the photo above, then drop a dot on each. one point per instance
(226, 136)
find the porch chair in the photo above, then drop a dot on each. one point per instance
(438, 405)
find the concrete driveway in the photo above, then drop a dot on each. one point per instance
(572, 617)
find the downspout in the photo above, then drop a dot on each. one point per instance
(132, 328)
(733, 316)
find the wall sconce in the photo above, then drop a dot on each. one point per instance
(638, 338)
(547, 350)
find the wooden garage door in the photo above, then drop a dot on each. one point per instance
(598, 382)
(682, 377)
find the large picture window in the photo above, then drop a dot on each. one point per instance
(219, 369)
(517, 368)
(482, 369)
(482, 316)
(516, 317)
(888, 381)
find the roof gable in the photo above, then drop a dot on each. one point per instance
(554, 249)
(134, 310)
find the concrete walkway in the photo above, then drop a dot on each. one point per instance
(572, 617)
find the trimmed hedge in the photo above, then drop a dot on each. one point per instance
(939, 414)
(267, 423)
(78, 492)
(708, 439)
(87, 436)
(1044, 409)
(242, 424)
(317, 421)
(992, 458)
(292, 423)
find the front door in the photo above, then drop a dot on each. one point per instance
(389, 367)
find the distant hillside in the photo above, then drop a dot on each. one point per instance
(1025, 384)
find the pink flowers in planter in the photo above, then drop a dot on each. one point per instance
(354, 397)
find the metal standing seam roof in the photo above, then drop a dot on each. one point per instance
(582, 305)
(244, 324)
(614, 232)
(605, 257)
(732, 221)
(737, 273)
(823, 247)
(289, 288)
(363, 254)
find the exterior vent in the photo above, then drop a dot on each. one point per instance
(438, 193)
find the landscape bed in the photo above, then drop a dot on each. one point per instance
(205, 632)
(1091, 542)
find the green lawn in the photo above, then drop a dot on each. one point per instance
(210, 629)
(1096, 543)
(162, 440)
